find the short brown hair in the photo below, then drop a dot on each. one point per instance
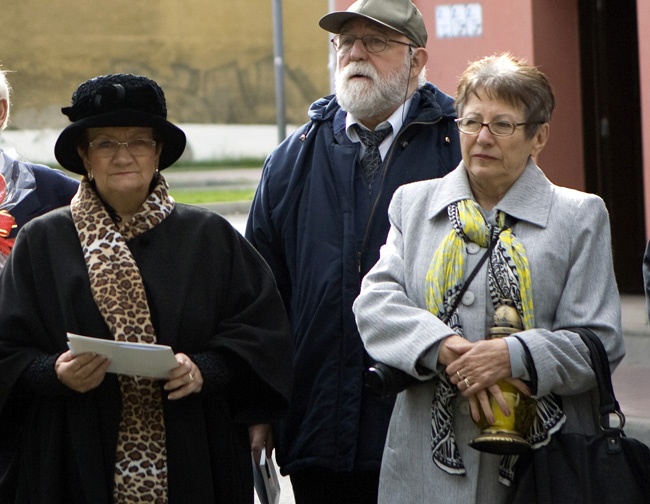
(513, 81)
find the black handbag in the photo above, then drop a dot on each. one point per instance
(606, 468)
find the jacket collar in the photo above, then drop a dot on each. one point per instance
(529, 198)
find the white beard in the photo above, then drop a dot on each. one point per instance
(373, 96)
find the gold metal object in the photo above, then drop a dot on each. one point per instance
(506, 435)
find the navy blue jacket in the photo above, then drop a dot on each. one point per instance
(54, 189)
(320, 234)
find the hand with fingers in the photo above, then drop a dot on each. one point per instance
(261, 436)
(185, 379)
(478, 369)
(83, 372)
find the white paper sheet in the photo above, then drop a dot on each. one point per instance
(265, 476)
(133, 359)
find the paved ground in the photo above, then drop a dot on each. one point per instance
(632, 378)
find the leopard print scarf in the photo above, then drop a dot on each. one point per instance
(119, 293)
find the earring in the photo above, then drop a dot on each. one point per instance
(90, 176)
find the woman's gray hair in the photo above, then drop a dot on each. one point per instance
(509, 79)
(4, 94)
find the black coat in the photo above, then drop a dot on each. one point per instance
(211, 296)
(315, 225)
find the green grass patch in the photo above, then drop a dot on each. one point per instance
(199, 196)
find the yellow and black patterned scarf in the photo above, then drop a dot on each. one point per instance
(119, 293)
(508, 278)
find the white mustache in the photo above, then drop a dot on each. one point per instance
(359, 68)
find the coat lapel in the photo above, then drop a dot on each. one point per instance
(529, 198)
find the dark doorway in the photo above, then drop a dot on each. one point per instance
(612, 127)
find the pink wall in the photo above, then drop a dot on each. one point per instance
(448, 57)
(643, 20)
(557, 53)
(545, 33)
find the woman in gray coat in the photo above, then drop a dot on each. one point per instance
(547, 253)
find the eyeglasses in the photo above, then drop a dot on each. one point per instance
(136, 147)
(371, 43)
(497, 128)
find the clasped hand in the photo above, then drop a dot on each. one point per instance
(86, 371)
(476, 368)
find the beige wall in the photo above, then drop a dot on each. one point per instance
(213, 58)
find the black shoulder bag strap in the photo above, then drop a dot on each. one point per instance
(493, 242)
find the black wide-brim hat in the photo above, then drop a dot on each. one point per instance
(118, 100)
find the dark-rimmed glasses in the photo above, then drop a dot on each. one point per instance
(371, 43)
(136, 147)
(497, 128)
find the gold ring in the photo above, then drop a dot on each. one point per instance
(467, 382)
(459, 376)
(191, 378)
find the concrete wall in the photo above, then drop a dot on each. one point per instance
(213, 58)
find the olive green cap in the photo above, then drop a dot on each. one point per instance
(399, 15)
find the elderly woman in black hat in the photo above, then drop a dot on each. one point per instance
(125, 262)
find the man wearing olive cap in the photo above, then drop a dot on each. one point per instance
(319, 218)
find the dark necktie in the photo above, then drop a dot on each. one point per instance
(371, 160)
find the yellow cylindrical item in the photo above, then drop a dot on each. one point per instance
(506, 434)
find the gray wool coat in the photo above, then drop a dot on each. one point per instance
(566, 235)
